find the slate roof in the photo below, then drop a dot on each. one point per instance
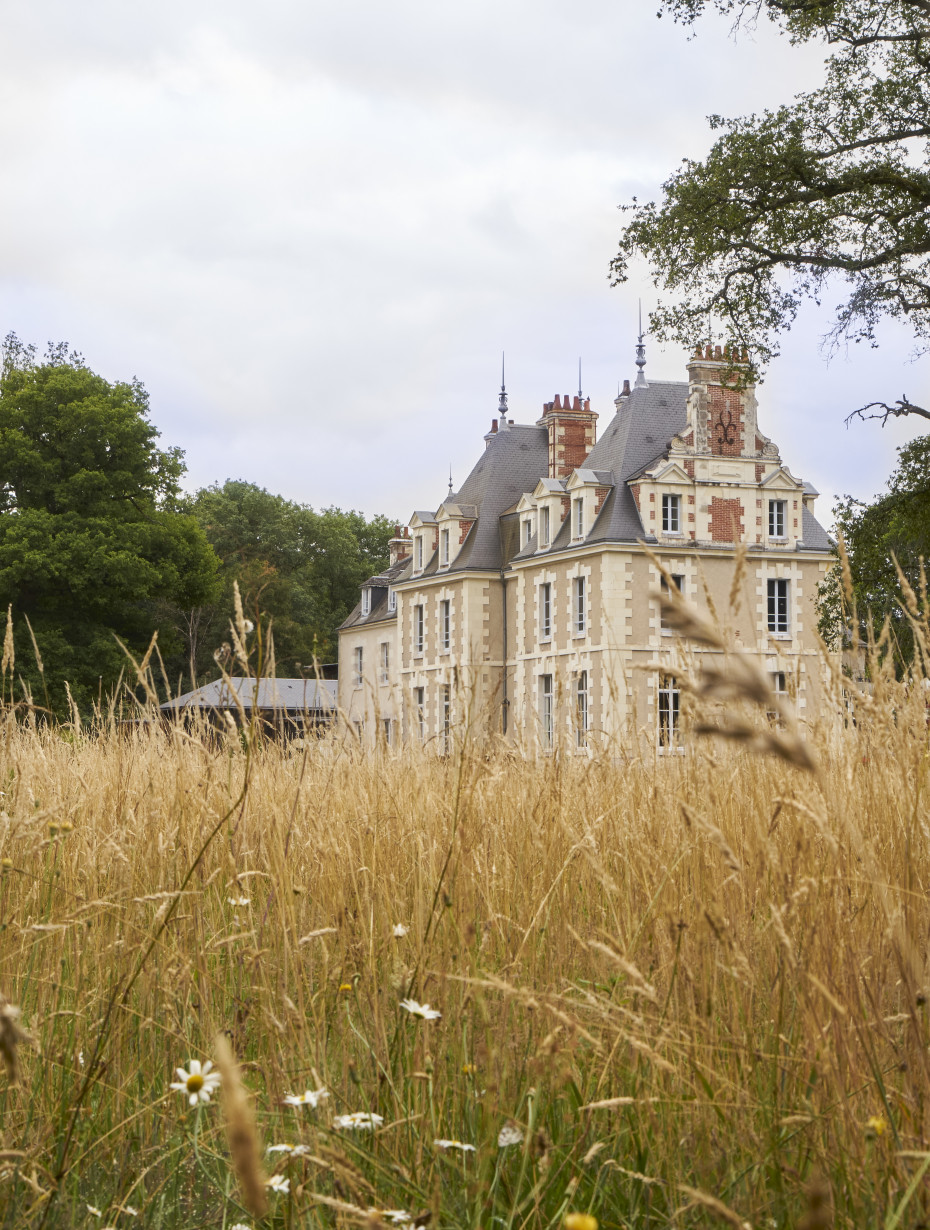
(291, 695)
(379, 585)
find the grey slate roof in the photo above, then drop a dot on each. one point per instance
(291, 695)
(380, 586)
(813, 535)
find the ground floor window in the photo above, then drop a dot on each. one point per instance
(387, 729)
(446, 695)
(581, 709)
(419, 711)
(669, 712)
(545, 709)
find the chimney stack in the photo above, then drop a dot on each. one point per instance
(399, 546)
(572, 427)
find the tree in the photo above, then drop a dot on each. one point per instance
(299, 568)
(831, 188)
(93, 542)
(895, 527)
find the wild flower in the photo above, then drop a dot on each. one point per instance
(345, 986)
(278, 1183)
(876, 1125)
(454, 1144)
(239, 1225)
(199, 1083)
(243, 901)
(293, 1150)
(94, 1211)
(310, 1097)
(509, 1134)
(397, 1216)
(128, 1208)
(399, 931)
(579, 1221)
(359, 1120)
(421, 1010)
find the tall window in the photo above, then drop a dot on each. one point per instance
(392, 601)
(578, 513)
(419, 711)
(446, 696)
(527, 531)
(544, 526)
(580, 605)
(778, 605)
(387, 729)
(444, 547)
(671, 514)
(419, 552)
(669, 712)
(678, 587)
(581, 709)
(385, 660)
(777, 509)
(445, 624)
(418, 629)
(545, 709)
(359, 665)
(545, 611)
(366, 601)
(779, 683)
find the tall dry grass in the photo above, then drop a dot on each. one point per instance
(696, 986)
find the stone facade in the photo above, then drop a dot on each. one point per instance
(526, 603)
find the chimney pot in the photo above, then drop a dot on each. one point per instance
(493, 426)
(626, 389)
(717, 354)
(557, 404)
(576, 403)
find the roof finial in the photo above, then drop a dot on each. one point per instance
(502, 400)
(448, 496)
(640, 351)
(580, 394)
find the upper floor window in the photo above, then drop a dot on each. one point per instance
(671, 514)
(385, 661)
(527, 531)
(359, 665)
(777, 518)
(580, 605)
(418, 628)
(445, 624)
(392, 601)
(677, 587)
(545, 611)
(581, 709)
(418, 552)
(578, 514)
(669, 711)
(444, 547)
(366, 601)
(544, 526)
(778, 606)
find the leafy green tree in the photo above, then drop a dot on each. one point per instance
(93, 542)
(832, 188)
(299, 568)
(894, 527)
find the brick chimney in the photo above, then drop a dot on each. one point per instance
(400, 545)
(572, 427)
(721, 404)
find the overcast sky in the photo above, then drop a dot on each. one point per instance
(310, 230)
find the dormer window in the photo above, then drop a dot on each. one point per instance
(671, 514)
(578, 515)
(419, 553)
(777, 518)
(366, 602)
(527, 531)
(392, 601)
(444, 548)
(544, 526)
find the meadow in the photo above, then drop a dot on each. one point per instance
(672, 991)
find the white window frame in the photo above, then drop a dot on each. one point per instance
(359, 666)
(419, 552)
(445, 698)
(578, 514)
(419, 630)
(445, 624)
(366, 601)
(581, 709)
(778, 606)
(671, 514)
(778, 519)
(385, 661)
(544, 525)
(663, 584)
(545, 611)
(527, 531)
(392, 601)
(419, 704)
(668, 714)
(580, 605)
(546, 711)
(444, 548)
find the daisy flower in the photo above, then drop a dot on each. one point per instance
(454, 1144)
(310, 1097)
(294, 1150)
(397, 1216)
(240, 1225)
(399, 931)
(199, 1083)
(239, 900)
(278, 1183)
(509, 1134)
(579, 1221)
(362, 1120)
(94, 1211)
(420, 1010)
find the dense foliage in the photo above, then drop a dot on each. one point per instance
(891, 533)
(831, 188)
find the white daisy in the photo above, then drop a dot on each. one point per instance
(397, 1216)
(127, 1208)
(199, 1083)
(94, 1211)
(509, 1134)
(400, 931)
(454, 1144)
(310, 1097)
(359, 1119)
(239, 900)
(294, 1150)
(240, 1225)
(278, 1183)
(421, 1010)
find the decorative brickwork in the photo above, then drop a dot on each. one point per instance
(572, 430)
(635, 489)
(689, 468)
(566, 505)
(726, 520)
(602, 494)
(760, 471)
(464, 527)
(725, 422)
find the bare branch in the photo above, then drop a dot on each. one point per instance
(900, 408)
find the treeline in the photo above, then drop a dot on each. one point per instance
(100, 548)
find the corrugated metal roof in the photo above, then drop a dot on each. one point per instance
(293, 695)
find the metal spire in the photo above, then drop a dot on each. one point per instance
(580, 394)
(502, 410)
(640, 351)
(450, 481)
